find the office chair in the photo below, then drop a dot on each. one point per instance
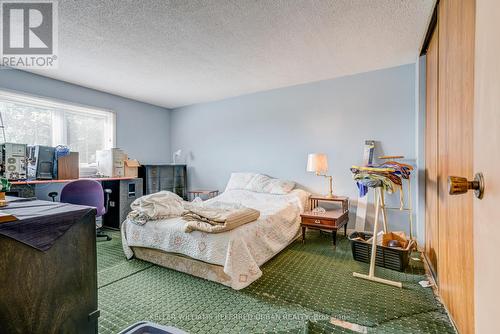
(89, 193)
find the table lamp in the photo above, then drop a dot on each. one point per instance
(176, 155)
(318, 163)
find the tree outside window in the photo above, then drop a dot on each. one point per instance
(36, 121)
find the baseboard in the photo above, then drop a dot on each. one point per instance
(431, 275)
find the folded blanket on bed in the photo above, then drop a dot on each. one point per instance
(217, 217)
(160, 205)
(214, 217)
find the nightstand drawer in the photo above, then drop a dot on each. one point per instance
(318, 221)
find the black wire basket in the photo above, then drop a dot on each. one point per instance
(387, 257)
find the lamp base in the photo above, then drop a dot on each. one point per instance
(330, 183)
(330, 189)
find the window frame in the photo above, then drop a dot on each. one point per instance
(58, 109)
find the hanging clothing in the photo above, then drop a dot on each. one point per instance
(401, 169)
(388, 182)
(387, 175)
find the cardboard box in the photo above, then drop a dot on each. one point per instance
(68, 167)
(132, 168)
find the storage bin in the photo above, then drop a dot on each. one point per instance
(387, 257)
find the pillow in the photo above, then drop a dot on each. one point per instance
(239, 180)
(265, 184)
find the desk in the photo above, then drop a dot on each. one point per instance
(26, 188)
(48, 285)
(124, 190)
(34, 182)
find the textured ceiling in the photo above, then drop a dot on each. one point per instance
(175, 53)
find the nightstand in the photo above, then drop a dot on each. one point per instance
(192, 194)
(331, 220)
(314, 201)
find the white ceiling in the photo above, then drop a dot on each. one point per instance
(175, 53)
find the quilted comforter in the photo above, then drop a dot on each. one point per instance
(240, 251)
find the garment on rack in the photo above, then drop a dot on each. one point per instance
(392, 176)
(367, 180)
(387, 175)
(401, 169)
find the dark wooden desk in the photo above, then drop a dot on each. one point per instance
(51, 291)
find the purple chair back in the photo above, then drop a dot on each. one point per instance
(84, 192)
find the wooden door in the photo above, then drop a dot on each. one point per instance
(431, 155)
(456, 26)
(452, 141)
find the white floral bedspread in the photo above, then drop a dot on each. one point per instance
(240, 251)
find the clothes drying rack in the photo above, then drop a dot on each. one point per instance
(381, 207)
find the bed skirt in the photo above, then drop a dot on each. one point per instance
(183, 264)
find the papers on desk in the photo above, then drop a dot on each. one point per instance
(12, 199)
(6, 217)
(88, 170)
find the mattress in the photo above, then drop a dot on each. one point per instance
(240, 251)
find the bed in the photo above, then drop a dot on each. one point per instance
(231, 258)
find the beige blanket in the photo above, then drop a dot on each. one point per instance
(217, 217)
(160, 205)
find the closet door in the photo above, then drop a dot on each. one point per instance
(455, 158)
(449, 144)
(431, 156)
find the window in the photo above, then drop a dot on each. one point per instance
(37, 121)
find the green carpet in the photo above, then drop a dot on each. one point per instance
(300, 291)
(111, 262)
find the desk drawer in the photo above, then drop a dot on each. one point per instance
(318, 221)
(152, 185)
(152, 171)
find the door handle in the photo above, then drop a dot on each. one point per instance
(460, 185)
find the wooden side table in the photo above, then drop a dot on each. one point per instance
(198, 193)
(314, 201)
(330, 220)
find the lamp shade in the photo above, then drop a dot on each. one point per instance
(317, 162)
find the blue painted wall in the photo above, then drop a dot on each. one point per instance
(269, 132)
(273, 131)
(142, 130)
